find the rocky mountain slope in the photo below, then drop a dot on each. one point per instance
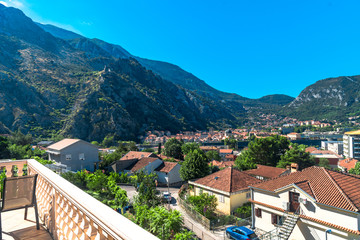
(88, 88)
(331, 98)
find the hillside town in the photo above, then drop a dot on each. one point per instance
(279, 200)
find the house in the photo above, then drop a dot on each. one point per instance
(230, 186)
(209, 148)
(335, 146)
(75, 153)
(137, 155)
(221, 164)
(224, 152)
(329, 155)
(294, 136)
(147, 164)
(263, 172)
(166, 171)
(306, 204)
(347, 164)
(169, 172)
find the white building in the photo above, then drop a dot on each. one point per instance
(304, 205)
(352, 144)
(334, 146)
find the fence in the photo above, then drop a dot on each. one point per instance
(198, 231)
(194, 214)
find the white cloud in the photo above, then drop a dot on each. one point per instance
(13, 3)
(4, 3)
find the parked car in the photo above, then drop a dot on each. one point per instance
(166, 197)
(241, 233)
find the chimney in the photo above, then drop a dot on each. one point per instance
(294, 167)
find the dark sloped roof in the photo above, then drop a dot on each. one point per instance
(166, 167)
(143, 162)
(228, 180)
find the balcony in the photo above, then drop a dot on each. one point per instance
(66, 211)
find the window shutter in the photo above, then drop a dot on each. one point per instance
(273, 218)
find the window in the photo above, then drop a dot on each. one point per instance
(68, 156)
(248, 195)
(81, 156)
(258, 212)
(221, 198)
(275, 219)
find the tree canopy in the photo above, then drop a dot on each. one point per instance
(296, 154)
(172, 148)
(194, 166)
(265, 151)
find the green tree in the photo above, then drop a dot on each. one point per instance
(231, 142)
(20, 151)
(18, 138)
(324, 162)
(356, 169)
(108, 141)
(159, 221)
(185, 235)
(204, 204)
(148, 150)
(194, 166)
(296, 154)
(189, 147)
(265, 151)
(213, 155)
(96, 181)
(173, 148)
(4, 150)
(159, 149)
(145, 185)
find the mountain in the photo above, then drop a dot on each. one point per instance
(59, 32)
(88, 89)
(331, 98)
(176, 75)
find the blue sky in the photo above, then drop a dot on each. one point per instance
(249, 47)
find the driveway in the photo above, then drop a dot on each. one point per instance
(131, 192)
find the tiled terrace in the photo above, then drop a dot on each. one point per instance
(66, 211)
(14, 226)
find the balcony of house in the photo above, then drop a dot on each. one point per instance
(65, 211)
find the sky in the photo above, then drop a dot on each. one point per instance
(249, 47)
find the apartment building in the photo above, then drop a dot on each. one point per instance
(352, 144)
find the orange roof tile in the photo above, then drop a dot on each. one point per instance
(328, 187)
(143, 162)
(63, 144)
(266, 171)
(166, 167)
(227, 151)
(136, 155)
(221, 164)
(348, 163)
(228, 180)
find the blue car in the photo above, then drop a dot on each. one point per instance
(240, 233)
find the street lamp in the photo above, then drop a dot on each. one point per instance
(167, 180)
(326, 232)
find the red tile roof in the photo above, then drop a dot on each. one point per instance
(227, 151)
(228, 180)
(348, 163)
(63, 144)
(222, 164)
(326, 186)
(166, 167)
(137, 155)
(266, 171)
(143, 162)
(310, 149)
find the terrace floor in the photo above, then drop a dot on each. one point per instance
(15, 227)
